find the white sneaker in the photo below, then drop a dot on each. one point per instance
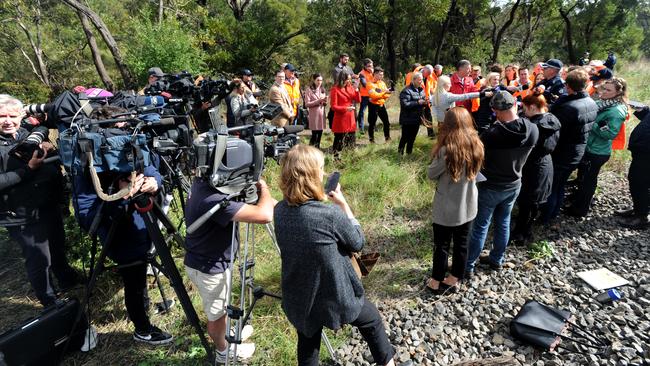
(90, 339)
(244, 352)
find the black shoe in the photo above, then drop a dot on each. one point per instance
(486, 260)
(155, 336)
(572, 212)
(626, 212)
(636, 222)
(468, 275)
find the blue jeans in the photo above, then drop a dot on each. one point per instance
(362, 110)
(491, 203)
(561, 174)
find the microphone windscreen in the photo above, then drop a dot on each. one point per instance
(293, 129)
(167, 121)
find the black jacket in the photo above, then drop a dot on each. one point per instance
(577, 113)
(410, 110)
(537, 175)
(640, 137)
(484, 116)
(507, 146)
(554, 89)
(22, 190)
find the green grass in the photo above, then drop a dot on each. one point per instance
(540, 250)
(389, 194)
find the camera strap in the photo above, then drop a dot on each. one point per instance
(219, 152)
(98, 185)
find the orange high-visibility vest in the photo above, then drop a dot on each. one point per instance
(369, 80)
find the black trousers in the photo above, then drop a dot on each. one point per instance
(442, 238)
(315, 138)
(136, 298)
(409, 132)
(43, 247)
(639, 180)
(371, 328)
(589, 168)
(528, 212)
(343, 140)
(375, 111)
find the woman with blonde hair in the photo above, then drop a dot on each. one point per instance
(319, 285)
(457, 159)
(442, 100)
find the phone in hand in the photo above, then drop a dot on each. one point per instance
(332, 182)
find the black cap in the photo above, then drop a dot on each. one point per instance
(290, 67)
(602, 74)
(246, 72)
(554, 63)
(155, 71)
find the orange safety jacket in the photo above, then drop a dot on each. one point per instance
(369, 80)
(378, 93)
(476, 102)
(293, 89)
(521, 94)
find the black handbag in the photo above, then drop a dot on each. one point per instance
(542, 326)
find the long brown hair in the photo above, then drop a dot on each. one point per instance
(300, 176)
(464, 149)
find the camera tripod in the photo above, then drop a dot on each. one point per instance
(151, 214)
(237, 317)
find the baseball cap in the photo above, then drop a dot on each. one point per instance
(289, 67)
(602, 74)
(554, 63)
(155, 71)
(502, 101)
(246, 72)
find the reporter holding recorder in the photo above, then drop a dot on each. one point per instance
(319, 286)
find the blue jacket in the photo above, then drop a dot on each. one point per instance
(554, 89)
(131, 241)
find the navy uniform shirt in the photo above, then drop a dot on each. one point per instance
(554, 89)
(208, 249)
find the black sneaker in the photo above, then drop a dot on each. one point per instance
(155, 336)
(486, 260)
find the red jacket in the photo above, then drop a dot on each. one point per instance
(459, 86)
(341, 99)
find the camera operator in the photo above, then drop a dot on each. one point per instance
(154, 74)
(242, 102)
(249, 84)
(320, 288)
(209, 249)
(131, 240)
(29, 206)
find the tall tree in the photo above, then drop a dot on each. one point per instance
(498, 32)
(565, 11)
(94, 49)
(107, 36)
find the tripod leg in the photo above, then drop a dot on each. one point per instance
(175, 279)
(166, 304)
(271, 231)
(329, 347)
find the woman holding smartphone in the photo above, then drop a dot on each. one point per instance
(319, 285)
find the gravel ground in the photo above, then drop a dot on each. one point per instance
(473, 324)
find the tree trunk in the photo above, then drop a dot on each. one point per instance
(496, 44)
(35, 43)
(239, 8)
(108, 39)
(569, 34)
(443, 31)
(161, 10)
(390, 42)
(97, 57)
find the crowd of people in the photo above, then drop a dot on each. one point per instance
(512, 138)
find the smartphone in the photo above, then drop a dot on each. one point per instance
(332, 182)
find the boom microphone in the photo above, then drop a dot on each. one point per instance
(293, 128)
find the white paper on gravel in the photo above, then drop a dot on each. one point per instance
(602, 279)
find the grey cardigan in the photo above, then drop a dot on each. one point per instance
(453, 203)
(319, 285)
(446, 100)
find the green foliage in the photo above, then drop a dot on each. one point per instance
(166, 45)
(540, 250)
